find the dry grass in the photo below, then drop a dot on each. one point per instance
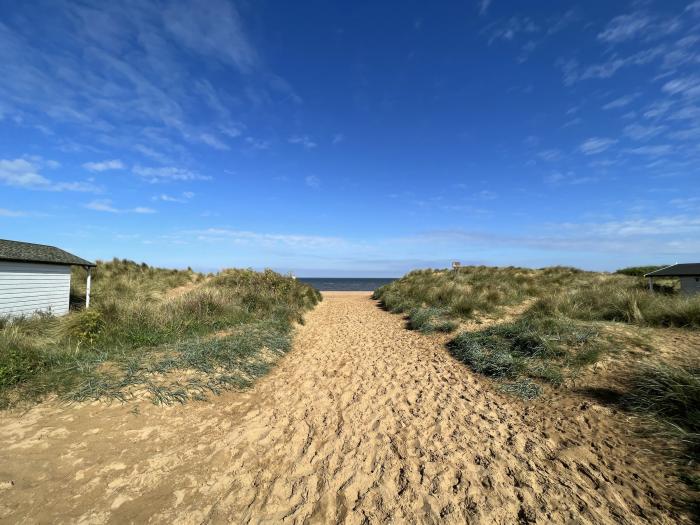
(573, 320)
(472, 291)
(559, 291)
(137, 335)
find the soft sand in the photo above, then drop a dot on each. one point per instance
(364, 421)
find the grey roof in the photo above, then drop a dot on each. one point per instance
(677, 270)
(38, 253)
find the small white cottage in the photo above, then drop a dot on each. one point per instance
(36, 278)
(689, 275)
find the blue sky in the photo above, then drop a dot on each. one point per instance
(364, 138)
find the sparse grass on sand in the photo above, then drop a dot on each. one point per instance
(540, 345)
(174, 334)
(672, 395)
(558, 334)
(568, 323)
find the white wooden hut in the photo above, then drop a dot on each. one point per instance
(689, 275)
(36, 278)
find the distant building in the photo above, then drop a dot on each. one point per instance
(36, 278)
(689, 275)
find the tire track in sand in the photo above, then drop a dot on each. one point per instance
(363, 422)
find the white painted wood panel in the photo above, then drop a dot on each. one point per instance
(27, 288)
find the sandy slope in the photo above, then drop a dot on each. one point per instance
(363, 422)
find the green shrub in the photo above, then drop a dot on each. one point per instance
(472, 290)
(522, 388)
(83, 327)
(623, 301)
(542, 348)
(639, 271)
(134, 318)
(428, 320)
(19, 359)
(672, 393)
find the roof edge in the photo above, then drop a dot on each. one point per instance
(651, 274)
(84, 263)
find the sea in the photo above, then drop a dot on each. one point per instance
(346, 284)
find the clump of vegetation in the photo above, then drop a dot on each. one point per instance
(672, 395)
(639, 271)
(175, 333)
(555, 336)
(625, 300)
(469, 291)
(530, 347)
(431, 319)
(564, 328)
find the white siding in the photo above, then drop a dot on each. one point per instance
(690, 285)
(27, 288)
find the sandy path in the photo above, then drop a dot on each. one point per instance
(364, 422)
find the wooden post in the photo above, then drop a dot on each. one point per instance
(651, 284)
(87, 288)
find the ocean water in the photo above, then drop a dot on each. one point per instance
(346, 284)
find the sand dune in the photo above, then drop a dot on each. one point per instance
(363, 422)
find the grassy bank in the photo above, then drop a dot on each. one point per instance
(469, 291)
(569, 320)
(173, 334)
(436, 300)
(561, 329)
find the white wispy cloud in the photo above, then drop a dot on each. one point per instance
(550, 155)
(624, 27)
(232, 130)
(622, 101)
(185, 196)
(686, 134)
(694, 8)
(4, 212)
(639, 25)
(105, 205)
(338, 138)
(257, 144)
(652, 235)
(686, 203)
(167, 174)
(105, 165)
(312, 181)
(574, 72)
(215, 31)
(644, 226)
(657, 109)
(487, 195)
(513, 27)
(652, 151)
(595, 145)
(266, 239)
(213, 141)
(484, 6)
(132, 85)
(303, 140)
(690, 112)
(569, 177)
(686, 86)
(640, 132)
(25, 173)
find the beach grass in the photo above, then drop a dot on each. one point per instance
(569, 320)
(671, 394)
(558, 332)
(174, 334)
